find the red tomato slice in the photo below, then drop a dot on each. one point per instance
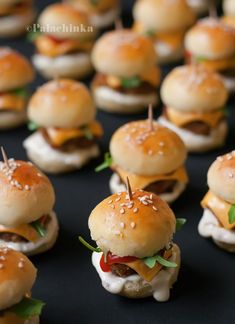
(57, 40)
(112, 259)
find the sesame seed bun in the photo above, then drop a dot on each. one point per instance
(58, 15)
(221, 177)
(26, 193)
(138, 150)
(9, 3)
(210, 39)
(122, 230)
(229, 7)
(154, 15)
(15, 70)
(193, 88)
(99, 6)
(123, 53)
(17, 277)
(61, 103)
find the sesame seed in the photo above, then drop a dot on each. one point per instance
(122, 204)
(161, 144)
(20, 265)
(2, 257)
(133, 224)
(39, 174)
(117, 232)
(1, 266)
(30, 163)
(27, 187)
(150, 152)
(151, 196)
(119, 193)
(231, 175)
(135, 210)
(154, 208)
(219, 158)
(122, 225)
(144, 202)
(229, 157)
(118, 198)
(160, 153)
(110, 202)
(112, 206)
(122, 211)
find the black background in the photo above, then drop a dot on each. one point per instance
(68, 283)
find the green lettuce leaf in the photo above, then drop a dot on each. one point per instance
(33, 35)
(87, 133)
(21, 92)
(89, 246)
(151, 262)
(180, 223)
(27, 308)
(133, 82)
(37, 225)
(32, 126)
(149, 33)
(106, 164)
(231, 214)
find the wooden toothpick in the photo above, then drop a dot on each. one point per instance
(150, 117)
(118, 24)
(212, 9)
(5, 158)
(128, 188)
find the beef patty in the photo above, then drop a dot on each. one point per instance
(121, 270)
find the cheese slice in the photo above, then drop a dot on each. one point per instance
(10, 101)
(151, 76)
(140, 181)
(211, 118)
(48, 47)
(219, 207)
(26, 231)
(144, 271)
(58, 136)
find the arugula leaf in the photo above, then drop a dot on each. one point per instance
(106, 164)
(180, 223)
(87, 133)
(37, 225)
(133, 82)
(149, 33)
(231, 214)
(21, 92)
(94, 2)
(88, 246)
(151, 262)
(27, 308)
(225, 111)
(32, 126)
(200, 59)
(33, 34)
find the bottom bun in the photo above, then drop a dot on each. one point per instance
(105, 19)
(54, 161)
(43, 244)
(166, 54)
(116, 185)
(209, 226)
(11, 119)
(65, 66)
(11, 318)
(11, 26)
(229, 83)
(136, 287)
(199, 143)
(113, 101)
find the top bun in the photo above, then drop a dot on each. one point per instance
(15, 70)
(140, 227)
(18, 275)
(26, 194)
(210, 39)
(123, 53)
(62, 103)
(90, 6)
(137, 149)
(229, 7)
(63, 21)
(164, 15)
(193, 88)
(221, 177)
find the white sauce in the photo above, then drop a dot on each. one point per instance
(116, 186)
(34, 320)
(199, 143)
(229, 83)
(104, 93)
(30, 247)
(12, 119)
(65, 65)
(160, 285)
(39, 147)
(210, 227)
(105, 19)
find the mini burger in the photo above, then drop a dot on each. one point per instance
(229, 13)
(200, 7)
(17, 275)
(135, 256)
(194, 100)
(15, 16)
(211, 43)
(15, 74)
(27, 221)
(66, 139)
(151, 156)
(218, 220)
(64, 43)
(102, 13)
(165, 23)
(127, 76)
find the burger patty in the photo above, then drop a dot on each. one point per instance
(72, 144)
(121, 270)
(144, 88)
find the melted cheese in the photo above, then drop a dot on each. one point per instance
(144, 271)
(151, 76)
(59, 136)
(140, 181)
(220, 209)
(211, 118)
(48, 47)
(10, 101)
